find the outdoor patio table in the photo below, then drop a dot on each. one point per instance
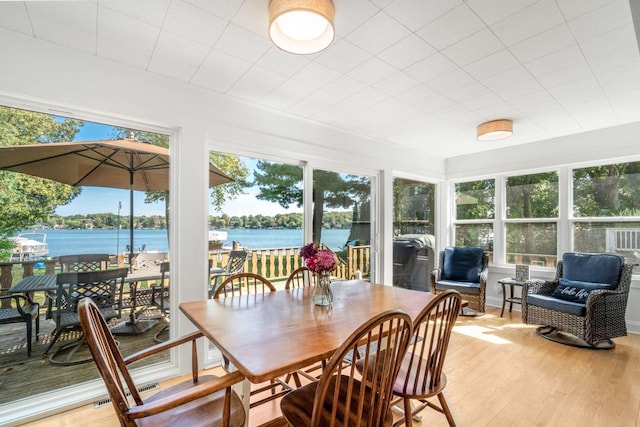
(42, 283)
(272, 334)
(132, 326)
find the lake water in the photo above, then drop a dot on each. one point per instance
(65, 242)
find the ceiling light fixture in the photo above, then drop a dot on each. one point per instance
(301, 26)
(495, 129)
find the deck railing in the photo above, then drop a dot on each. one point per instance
(279, 263)
(273, 263)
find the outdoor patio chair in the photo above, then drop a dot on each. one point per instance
(146, 269)
(24, 310)
(102, 286)
(160, 297)
(234, 265)
(340, 397)
(145, 260)
(76, 263)
(464, 270)
(587, 299)
(83, 262)
(421, 375)
(192, 402)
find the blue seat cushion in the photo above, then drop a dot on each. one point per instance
(593, 268)
(462, 264)
(557, 304)
(462, 287)
(575, 291)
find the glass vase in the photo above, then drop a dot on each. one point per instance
(322, 294)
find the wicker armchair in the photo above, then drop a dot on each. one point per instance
(587, 299)
(464, 270)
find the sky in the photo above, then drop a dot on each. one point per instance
(106, 200)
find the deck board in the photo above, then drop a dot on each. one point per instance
(22, 376)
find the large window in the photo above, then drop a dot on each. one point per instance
(531, 219)
(262, 211)
(342, 219)
(413, 233)
(475, 214)
(606, 209)
(95, 212)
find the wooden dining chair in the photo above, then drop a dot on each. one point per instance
(202, 399)
(246, 284)
(421, 375)
(235, 265)
(243, 284)
(340, 398)
(301, 277)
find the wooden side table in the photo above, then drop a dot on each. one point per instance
(511, 282)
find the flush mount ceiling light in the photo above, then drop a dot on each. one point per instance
(495, 129)
(301, 26)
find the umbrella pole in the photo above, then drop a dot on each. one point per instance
(133, 326)
(131, 224)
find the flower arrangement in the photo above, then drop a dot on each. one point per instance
(318, 260)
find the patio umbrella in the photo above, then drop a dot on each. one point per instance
(121, 163)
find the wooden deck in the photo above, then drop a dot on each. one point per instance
(22, 376)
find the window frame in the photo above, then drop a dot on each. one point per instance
(492, 221)
(541, 220)
(572, 219)
(565, 220)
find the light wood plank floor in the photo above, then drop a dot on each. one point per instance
(500, 373)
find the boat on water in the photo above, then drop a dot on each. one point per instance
(29, 247)
(216, 239)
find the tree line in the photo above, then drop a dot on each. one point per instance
(331, 220)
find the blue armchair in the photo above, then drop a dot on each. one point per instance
(587, 299)
(464, 270)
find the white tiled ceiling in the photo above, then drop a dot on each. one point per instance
(419, 73)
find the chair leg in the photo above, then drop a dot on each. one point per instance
(29, 327)
(446, 410)
(408, 420)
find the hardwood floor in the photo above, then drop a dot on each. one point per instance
(500, 373)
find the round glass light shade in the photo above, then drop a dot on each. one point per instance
(494, 130)
(301, 26)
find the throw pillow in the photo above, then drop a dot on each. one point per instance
(574, 291)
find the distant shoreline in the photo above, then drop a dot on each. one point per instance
(85, 241)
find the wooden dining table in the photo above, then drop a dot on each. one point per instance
(272, 334)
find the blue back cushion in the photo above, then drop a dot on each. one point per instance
(593, 268)
(463, 264)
